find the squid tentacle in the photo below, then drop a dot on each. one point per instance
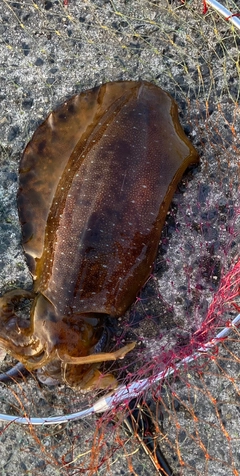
(17, 340)
(97, 358)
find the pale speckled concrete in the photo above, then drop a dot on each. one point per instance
(48, 53)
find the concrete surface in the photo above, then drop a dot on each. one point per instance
(48, 52)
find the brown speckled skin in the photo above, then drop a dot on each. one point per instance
(96, 181)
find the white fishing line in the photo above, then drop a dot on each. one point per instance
(225, 13)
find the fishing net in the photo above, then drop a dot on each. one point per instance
(179, 390)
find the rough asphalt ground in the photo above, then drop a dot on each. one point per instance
(49, 52)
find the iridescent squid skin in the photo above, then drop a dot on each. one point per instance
(95, 184)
